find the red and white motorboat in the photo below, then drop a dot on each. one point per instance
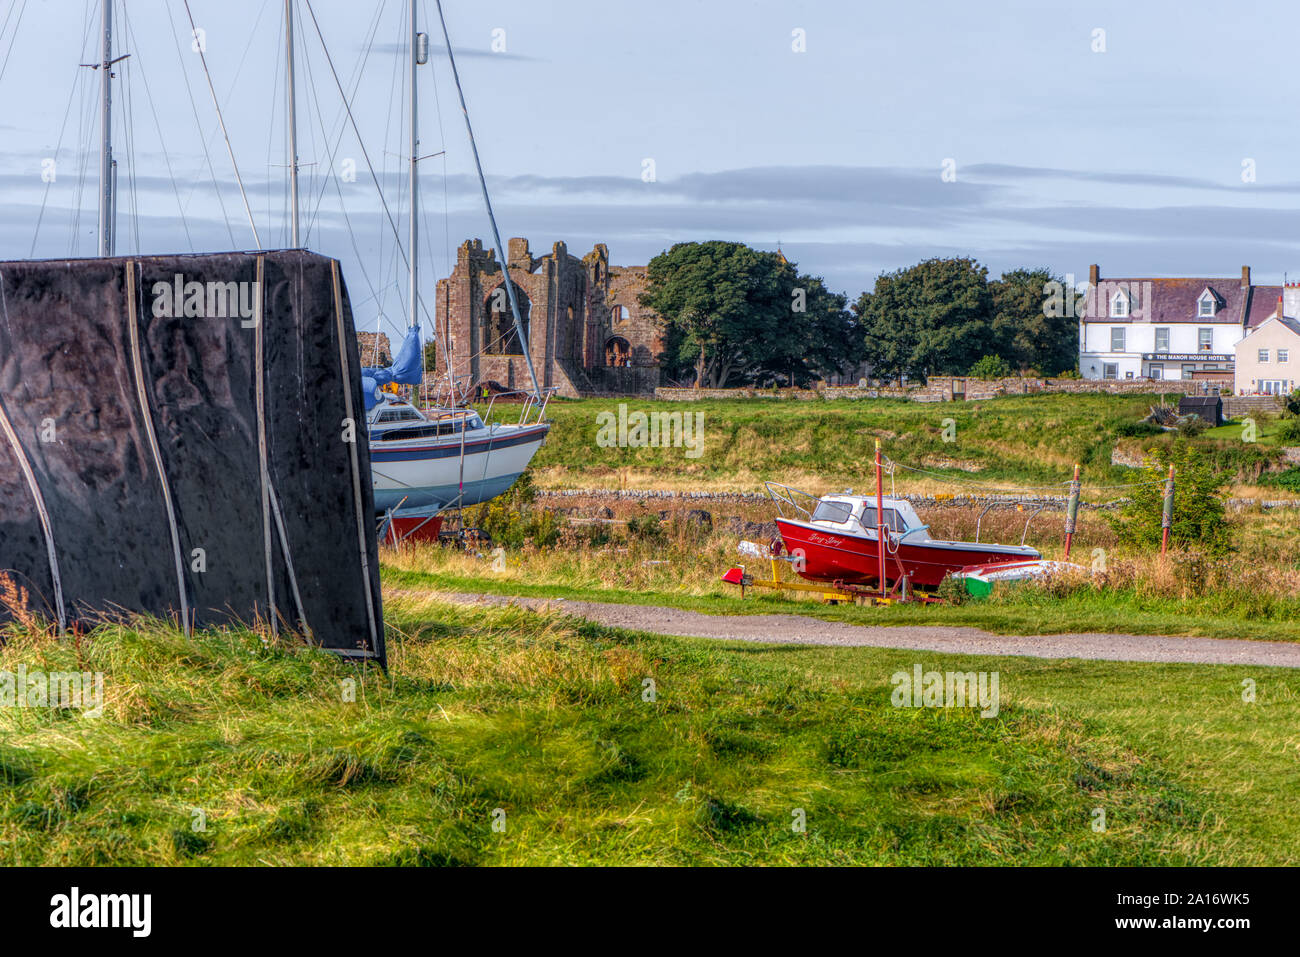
(833, 539)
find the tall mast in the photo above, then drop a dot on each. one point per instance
(414, 241)
(293, 125)
(106, 134)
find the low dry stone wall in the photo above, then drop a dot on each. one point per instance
(943, 389)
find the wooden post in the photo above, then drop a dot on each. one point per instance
(880, 517)
(1167, 516)
(1072, 511)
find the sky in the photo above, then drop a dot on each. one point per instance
(1153, 138)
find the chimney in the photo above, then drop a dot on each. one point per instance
(1094, 275)
(1245, 277)
(1289, 304)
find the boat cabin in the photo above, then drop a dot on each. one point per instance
(396, 419)
(856, 515)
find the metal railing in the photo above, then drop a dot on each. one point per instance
(783, 497)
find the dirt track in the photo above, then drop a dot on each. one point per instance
(799, 629)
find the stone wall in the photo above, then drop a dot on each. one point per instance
(946, 389)
(1235, 406)
(366, 343)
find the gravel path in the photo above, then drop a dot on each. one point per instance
(799, 629)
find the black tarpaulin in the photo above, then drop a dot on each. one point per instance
(184, 436)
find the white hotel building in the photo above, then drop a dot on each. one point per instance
(1146, 328)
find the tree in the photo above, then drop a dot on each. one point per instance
(933, 318)
(1026, 335)
(730, 312)
(990, 367)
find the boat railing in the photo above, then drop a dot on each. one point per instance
(531, 411)
(789, 501)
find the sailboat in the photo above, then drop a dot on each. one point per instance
(424, 463)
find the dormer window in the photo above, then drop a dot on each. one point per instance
(1206, 305)
(1119, 305)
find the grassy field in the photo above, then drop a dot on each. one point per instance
(1254, 593)
(542, 726)
(501, 736)
(825, 446)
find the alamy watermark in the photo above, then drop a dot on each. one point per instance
(655, 430)
(79, 690)
(212, 300)
(946, 689)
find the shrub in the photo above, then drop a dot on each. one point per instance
(1137, 430)
(1198, 518)
(1289, 479)
(990, 367)
(513, 520)
(1289, 430)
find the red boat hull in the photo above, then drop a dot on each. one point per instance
(853, 559)
(413, 529)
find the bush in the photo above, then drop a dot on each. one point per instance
(1198, 518)
(1289, 430)
(646, 527)
(1289, 479)
(1190, 425)
(1137, 430)
(513, 520)
(990, 367)
(1291, 405)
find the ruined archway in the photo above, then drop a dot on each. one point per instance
(618, 352)
(500, 338)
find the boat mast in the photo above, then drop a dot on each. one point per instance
(106, 133)
(414, 241)
(293, 126)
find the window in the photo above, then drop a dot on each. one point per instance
(836, 512)
(1119, 305)
(1205, 305)
(1162, 339)
(892, 519)
(1263, 355)
(1205, 339)
(1117, 338)
(1188, 369)
(1157, 370)
(1110, 371)
(1281, 355)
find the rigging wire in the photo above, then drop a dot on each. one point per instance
(361, 262)
(67, 112)
(980, 486)
(234, 80)
(329, 60)
(207, 155)
(22, 8)
(220, 119)
(162, 139)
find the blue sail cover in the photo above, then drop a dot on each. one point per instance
(407, 369)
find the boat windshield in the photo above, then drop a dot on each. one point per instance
(398, 414)
(837, 512)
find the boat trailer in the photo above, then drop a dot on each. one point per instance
(833, 593)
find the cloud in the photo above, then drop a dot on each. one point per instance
(847, 224)
(462, 53)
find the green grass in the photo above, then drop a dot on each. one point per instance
(545, 719)
(830, 444)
